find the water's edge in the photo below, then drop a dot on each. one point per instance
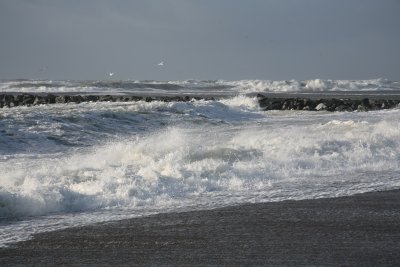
(305, 232)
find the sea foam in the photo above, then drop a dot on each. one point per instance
(197, 86)
(176, 163)
(66, 165)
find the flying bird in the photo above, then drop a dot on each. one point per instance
(111, 74)
(161, 63)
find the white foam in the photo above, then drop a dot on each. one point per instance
(315, 85)
(242, 102)
(197, 86)
(213, 153)
(177, 162)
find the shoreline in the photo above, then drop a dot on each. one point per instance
(362, 229)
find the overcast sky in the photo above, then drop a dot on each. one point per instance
(200, 39)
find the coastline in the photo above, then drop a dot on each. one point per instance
(362, 229)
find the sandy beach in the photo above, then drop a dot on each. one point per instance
(359, 230)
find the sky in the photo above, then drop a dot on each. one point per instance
(200, 39)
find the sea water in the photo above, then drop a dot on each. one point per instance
(66, 165)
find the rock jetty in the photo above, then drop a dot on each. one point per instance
(265, 102)
(15, 100)
(327, 104)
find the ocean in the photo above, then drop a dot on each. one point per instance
(68, 165)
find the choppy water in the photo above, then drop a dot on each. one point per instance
(65, 165)
(197, 86)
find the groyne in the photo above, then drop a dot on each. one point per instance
(266, 102)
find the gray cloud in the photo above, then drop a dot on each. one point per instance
(225, 39)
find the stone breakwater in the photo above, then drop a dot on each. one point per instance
(12, 100)
(327, 104)
(265, 102)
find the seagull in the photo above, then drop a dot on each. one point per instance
(111, 74)
(161, 63)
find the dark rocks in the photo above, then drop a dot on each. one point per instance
(10, 100)
(51, 99)
(105, 98)
(331, 104)
(342, 108)
(149, 99)
(76, 99)
(7, 100)
(272, 103)
(91, 98)
(24, 99)
(39, 100)
(16, 100)
(60, 99)
(266, 103)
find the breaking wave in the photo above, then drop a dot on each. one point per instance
(179, 164)
(199, 86)
(64, 165)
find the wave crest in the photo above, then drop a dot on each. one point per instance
(198, 86)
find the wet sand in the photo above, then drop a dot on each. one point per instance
(359, 230)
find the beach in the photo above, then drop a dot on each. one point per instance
(358, 230)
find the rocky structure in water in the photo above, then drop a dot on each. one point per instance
(10, 100)
(265, 102)
(327, 104)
